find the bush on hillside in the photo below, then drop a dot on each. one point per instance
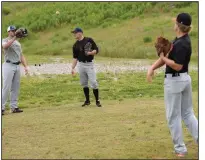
(193, 34)
(147, 39)
(42, 15)
(39, 16)
(182, 4)
(5, 10)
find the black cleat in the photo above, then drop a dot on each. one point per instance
(86, 103)
(98, 104)
(2, 112)
(16, 110)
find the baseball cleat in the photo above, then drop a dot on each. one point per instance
(98, 104)
(180, 155)
(16, 110)
(86, 103)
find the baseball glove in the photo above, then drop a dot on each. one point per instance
(163, 45)
(88, 48)
(21, 32)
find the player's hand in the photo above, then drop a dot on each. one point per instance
(26, 70)
(72, 72)
(150, 74)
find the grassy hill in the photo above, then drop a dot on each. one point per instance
(121, 29)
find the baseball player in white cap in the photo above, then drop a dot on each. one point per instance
(13, 57)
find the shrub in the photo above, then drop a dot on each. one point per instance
(183, 4)
(42, 15)
(147, 39)
(193, 34)
(6, 10)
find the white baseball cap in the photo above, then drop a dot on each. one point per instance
(11, 28)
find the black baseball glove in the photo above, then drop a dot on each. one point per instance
(21, 32)
(87, 48)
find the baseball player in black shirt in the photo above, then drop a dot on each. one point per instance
(84, 51)
(177, 85)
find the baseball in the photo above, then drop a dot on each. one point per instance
(57, 12)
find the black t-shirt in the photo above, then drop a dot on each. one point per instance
(81, 47)
(180, 54)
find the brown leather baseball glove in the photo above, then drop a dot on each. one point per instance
(163, 45)
(21, 32)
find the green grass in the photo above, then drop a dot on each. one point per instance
(57, 90)
(38, 16)
(134, 128)
(131, 123)
(116, 36)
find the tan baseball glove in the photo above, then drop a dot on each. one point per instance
(163, 45)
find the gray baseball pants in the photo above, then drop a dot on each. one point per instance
(11, 83)
(178, 103)
(87, 72)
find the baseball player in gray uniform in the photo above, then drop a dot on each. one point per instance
(84, 50)
(11, 70)
(177, 85)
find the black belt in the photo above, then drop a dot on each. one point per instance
(173, 75)
(16, 63)
(86, 61)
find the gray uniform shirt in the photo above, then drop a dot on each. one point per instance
(14, 52)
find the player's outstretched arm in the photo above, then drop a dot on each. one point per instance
(157, 64)
(150, 73)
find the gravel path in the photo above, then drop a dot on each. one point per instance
(108, 66)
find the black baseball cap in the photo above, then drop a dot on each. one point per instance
(184, 18)
(76, 30)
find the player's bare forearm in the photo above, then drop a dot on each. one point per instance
(23, 61)
(172, 64)
(74, 63)
(159, 63)
(94, 52)
(9, 43)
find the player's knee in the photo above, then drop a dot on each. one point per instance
(94, 84)
(187, 115)
(84, 84)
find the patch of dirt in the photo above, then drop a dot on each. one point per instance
(100, 67)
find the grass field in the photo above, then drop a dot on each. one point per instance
(131, 123)
(58, 90)
(133, 128)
